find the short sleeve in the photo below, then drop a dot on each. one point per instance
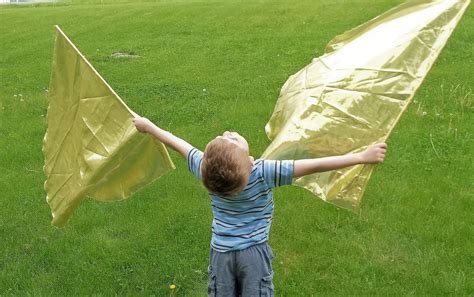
(277, 173)
(194, 159)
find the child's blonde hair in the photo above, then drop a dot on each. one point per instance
(224, 168)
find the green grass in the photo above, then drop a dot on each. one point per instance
(413, 235)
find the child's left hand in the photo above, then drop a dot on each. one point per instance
(142, 124)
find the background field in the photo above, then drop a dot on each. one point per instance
(209, 67)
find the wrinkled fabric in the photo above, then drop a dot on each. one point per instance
(354, 94)
(91, 146)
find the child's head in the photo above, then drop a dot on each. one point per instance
(226, 164)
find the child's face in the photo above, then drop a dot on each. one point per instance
(237, 139)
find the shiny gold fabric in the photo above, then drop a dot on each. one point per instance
(91, 146)
(355, 93)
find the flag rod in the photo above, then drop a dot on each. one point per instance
(95, 71)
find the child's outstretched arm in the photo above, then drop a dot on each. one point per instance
(373, 154)
(144, 125)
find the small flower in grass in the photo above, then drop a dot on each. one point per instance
(172, 286)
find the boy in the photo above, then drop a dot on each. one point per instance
(242, 203)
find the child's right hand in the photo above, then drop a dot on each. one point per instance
(374, 153)
(142, 124)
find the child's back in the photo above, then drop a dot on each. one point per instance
(244, 219)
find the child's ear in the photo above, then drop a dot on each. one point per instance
(251, 159)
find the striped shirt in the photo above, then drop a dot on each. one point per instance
(244, 219)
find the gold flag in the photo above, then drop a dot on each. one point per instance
(91, 147)
(355, 93)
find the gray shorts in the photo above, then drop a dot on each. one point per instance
(247, 272)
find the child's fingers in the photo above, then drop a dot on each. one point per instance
(381, 157)
(136, 120)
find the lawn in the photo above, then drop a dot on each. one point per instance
(209, 67)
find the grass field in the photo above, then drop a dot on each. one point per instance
(209, 67)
